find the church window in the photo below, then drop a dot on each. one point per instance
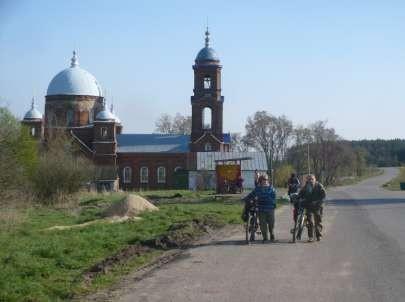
(161, 175)
(69, 117)
(104, 132)
(208, 147)
(127, 175)
(84, 117)
(144, 175)
(207, 82)
(32, 131)
(91, 116)
(207, 118)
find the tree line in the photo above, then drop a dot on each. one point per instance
(315, 148)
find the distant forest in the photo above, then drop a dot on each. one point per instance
(383, 153)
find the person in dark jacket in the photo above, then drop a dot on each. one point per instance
(313, 194)
(293, 187)
(266, 203)
(257, 175)
(293, 184)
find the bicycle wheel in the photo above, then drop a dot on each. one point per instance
(300, 225)
(248, 228)
(253, 228)
(295, 229)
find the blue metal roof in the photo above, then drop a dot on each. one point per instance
(207, 54)
(153, 143)
(227, 138)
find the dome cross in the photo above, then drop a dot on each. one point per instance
(74, 60)
(207, 38)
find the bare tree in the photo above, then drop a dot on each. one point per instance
(164, 124)
(321, 151)
(238, 143)
(181, 124)
(178, 124)
(269, 134)
(283, 134)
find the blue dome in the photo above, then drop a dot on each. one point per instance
(105, 115)
(33, 113)
(74, 81)
(207, 54)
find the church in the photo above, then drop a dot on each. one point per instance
(74, 103)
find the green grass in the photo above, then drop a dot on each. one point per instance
(393, 184)
(41, 265)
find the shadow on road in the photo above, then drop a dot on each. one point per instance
(242, 242)
(365, 202)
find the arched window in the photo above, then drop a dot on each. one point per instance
(32, 131)
(208, 147)
(127, 175)
(161, 175)
(103, 132)
(207, 82)
(84, 118)
(207, 118)
(177, 169)
(144, 175)
(69, 117)
(91, 115)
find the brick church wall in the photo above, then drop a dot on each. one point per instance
(152, 161)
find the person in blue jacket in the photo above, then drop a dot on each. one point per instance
(265, 195)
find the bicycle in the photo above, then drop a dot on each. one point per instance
(300, 222)
(252, 224)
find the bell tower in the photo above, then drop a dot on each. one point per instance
(207, 102)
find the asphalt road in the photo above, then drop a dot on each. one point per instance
(361, 258)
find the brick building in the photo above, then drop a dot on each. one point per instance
(75, 103)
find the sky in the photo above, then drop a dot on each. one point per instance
(340, 61)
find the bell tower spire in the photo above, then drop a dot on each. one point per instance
(207, 38)
(207, 102)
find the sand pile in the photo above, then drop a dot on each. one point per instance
(126, 209)
(130, 207)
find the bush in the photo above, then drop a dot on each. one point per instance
(282, 174)
(18, 155)
(61, 171)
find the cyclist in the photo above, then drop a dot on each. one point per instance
(313, 194)
(266, 203)
(293, 184)
(293, 188)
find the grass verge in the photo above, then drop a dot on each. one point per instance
(394, 184)
(370, 172)
(42, 265)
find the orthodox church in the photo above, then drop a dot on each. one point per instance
(74, 103)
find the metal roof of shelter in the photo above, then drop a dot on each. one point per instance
(236, 159)
(207, 160)
(153, 143)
